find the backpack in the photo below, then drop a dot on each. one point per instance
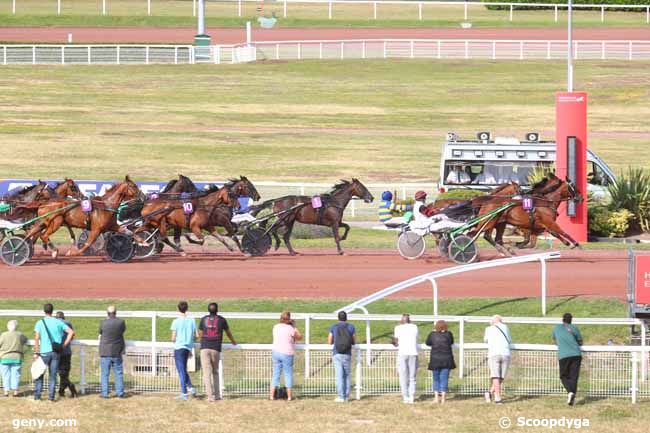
(211, 328)
(343, 339)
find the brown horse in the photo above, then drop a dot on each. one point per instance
(542, 219)
(209, 209)
(102, 217)
(330, 214)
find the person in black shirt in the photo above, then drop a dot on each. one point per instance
(65, 362)
(211, 329)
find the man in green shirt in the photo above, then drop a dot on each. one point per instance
(568, 340)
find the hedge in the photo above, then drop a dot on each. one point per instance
(564, 2)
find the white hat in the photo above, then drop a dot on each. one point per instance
(38, 368)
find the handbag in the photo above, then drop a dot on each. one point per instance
(56, 347)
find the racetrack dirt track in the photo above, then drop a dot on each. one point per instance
(154, 35)
(314, 274)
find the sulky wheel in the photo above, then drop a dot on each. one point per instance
(119, 247)
(462, 249)
(144, 251)
(31, 245)
(16, 250)
(96, 248)
(410, 245)
(256, 242)
(442, 243)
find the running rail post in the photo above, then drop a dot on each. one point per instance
(635, 379)
(543, 263)
(357, 377)
(368, 337)
(153, 344)
(307, 342)
(435, 296)
(644, 353)
(82, 369)
(461, 350)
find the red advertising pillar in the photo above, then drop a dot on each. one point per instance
(571, 158)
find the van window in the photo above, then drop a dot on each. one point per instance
(490, 173)
(596, 175)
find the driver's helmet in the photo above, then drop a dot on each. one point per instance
(420, 196)
(387, 195)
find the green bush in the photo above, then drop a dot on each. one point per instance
(460, 194)
(604, 222)
(631, 191)
(563, 2)
(308, 231)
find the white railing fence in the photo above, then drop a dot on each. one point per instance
(334, 9)
(435, 49)
(428, 49)
(610, 370)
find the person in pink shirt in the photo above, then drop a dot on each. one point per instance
(285, 335)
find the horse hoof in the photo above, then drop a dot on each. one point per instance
(55, 254)
(183, 254)
(341, 253)
(69, 253)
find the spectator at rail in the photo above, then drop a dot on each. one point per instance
(211, 331)
(342, 338)
(65, 363)
(441, 359)
(569, 354)
(458, 176)
(485, 177)
(390, 212)
(285, 335)
(12, 352)
(48, 345)
(183, 333)
(497, 337)
(405, 337)
(111, 348)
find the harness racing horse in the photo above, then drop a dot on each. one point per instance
(330, 214)
(101, 218)
(207, 210)
(544, 217)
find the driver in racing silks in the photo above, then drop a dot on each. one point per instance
(390, 211)
(242, 214)
(429, 217)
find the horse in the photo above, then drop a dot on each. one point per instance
(209, 209)
(330, 214)
(545, 204)
(102, 217)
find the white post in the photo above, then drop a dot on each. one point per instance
(435, 296)
(420, 11)
(89, 58)
(117, 50)
(521, 50)
(329, 10)
(299, 51)
(176, 55)
(412, 48)
(342, 49)
(153, 344)
(33, 54)
(647, 14)
(358, 376)
(13, 7)
(277, 51)
(602, 50)
(249, 33)
(543, 263)
(307, 342)
(353, 209)
(465, 15)
(629, 50)
(494, 50)
(644, 354)
(569, 47)
(200, 20)
(320, 50)
(58, 7)
(104, 7)
(148, 7)
(461, 348)
(555, 13)
(63, 54)
(368, 342)
(635, 379)
(82, 369)
(222, 386)
(285, 9)
(511, 12)
(385, 49)
(602, 14)
(374, 10)
(146, 55)
(238, 8)
(4, 55)
(193, 8)
(302, 189)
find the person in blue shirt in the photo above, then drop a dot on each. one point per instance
(342, 338)
(389, 211)
(183, 334)
(47, 331)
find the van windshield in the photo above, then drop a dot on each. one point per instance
(491, 173)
